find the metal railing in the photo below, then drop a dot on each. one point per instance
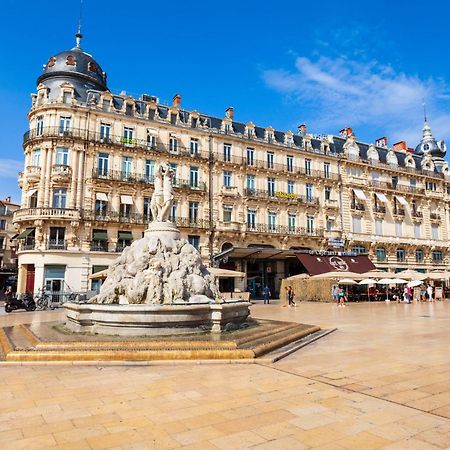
(62, 213)
(56, 244)
(277, 195)
(132, 177)
(283, 229)
(358, 206)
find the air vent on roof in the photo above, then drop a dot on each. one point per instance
(381, 142)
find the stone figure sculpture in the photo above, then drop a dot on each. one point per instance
(162, 198)
(160, 268)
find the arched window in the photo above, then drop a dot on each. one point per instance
(226, 246)
(391, 158)
(92, 67)
(51, 61)
(401, 255)
(70, 60)
(409, 161)
(372, 154)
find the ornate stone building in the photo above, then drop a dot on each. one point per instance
(90, 157)
(8, 257)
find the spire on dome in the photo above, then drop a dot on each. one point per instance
(78, 35)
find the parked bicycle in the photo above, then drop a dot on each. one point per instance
(43, 300)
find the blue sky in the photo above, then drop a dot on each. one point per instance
(366, 65)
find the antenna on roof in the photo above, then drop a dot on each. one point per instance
(424, 110)
(78, 35)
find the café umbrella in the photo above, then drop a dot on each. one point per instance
(388, 281)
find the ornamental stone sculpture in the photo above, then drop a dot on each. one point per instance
(160, 268)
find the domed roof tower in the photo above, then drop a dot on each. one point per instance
(76, 67)
(429, 146)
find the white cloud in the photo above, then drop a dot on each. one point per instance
(9, 168)
(338, 92)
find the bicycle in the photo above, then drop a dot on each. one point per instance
(42, 300)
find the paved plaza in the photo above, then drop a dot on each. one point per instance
(382, 380)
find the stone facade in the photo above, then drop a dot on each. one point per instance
(88, 179)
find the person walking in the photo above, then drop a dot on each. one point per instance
(286, 296)
(266, 294)
(342, 298)
(291, 296)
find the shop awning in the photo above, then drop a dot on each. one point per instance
(401, 200)
(381, 197)
(25, 233)
(100, 235)
(360, 194)
(126, 199)
(126, 235)
(101, 196)
(31, 192)
(317, 264)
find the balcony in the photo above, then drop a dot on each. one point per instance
(45, 213)
(55, 132)
(284, 230)
(139, 219)
(29, 244)
(132, 177)
(358, 206)
(417, 214)
(284, 196)
(435, 216)
(33, 173)
(331, 203)
(399, 212)
(230, 190)
(379, 209)
(56, 244)
(61, 173)
(99, 246)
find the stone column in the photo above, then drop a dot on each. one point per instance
(73, 183)
(48, 176)
(42, 180)
(21, 279)
(80, 175)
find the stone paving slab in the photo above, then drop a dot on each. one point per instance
(357, 388)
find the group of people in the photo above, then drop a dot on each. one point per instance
(289, 296)
(339, 296)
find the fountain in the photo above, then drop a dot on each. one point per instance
(158, 285)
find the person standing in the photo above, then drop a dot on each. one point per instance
(266, 294)
(291, 296)
(334, 293)
(430, 293)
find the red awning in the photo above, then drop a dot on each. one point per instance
(316, 264)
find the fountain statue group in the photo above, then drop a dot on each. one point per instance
(160, 268)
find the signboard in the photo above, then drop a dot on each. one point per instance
(336, 243)
(438, 293)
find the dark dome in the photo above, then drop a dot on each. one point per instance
(428, 144)
(74, 63)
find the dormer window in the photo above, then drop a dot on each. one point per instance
(51, 62)
(227, 128)
(70, 60)
(92, 67)
(426, 147)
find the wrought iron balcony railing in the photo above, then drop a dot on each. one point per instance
(282, 229)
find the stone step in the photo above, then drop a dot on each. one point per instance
(253, 335)
(280, 339)
(128, 355)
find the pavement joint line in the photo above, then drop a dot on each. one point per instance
(344, 389)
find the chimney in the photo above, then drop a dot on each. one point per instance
(381, 142)
(301, 129)
(8, 199)
(400, 145)
(345, 132)
(176, 101)
(229, 112)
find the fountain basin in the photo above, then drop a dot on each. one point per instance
(143, 319)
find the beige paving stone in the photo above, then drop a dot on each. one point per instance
(435, 436)
(35, 443)
(282, 443)
(240, 440)
(364, 440)
(410, 444)
(197, 435)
